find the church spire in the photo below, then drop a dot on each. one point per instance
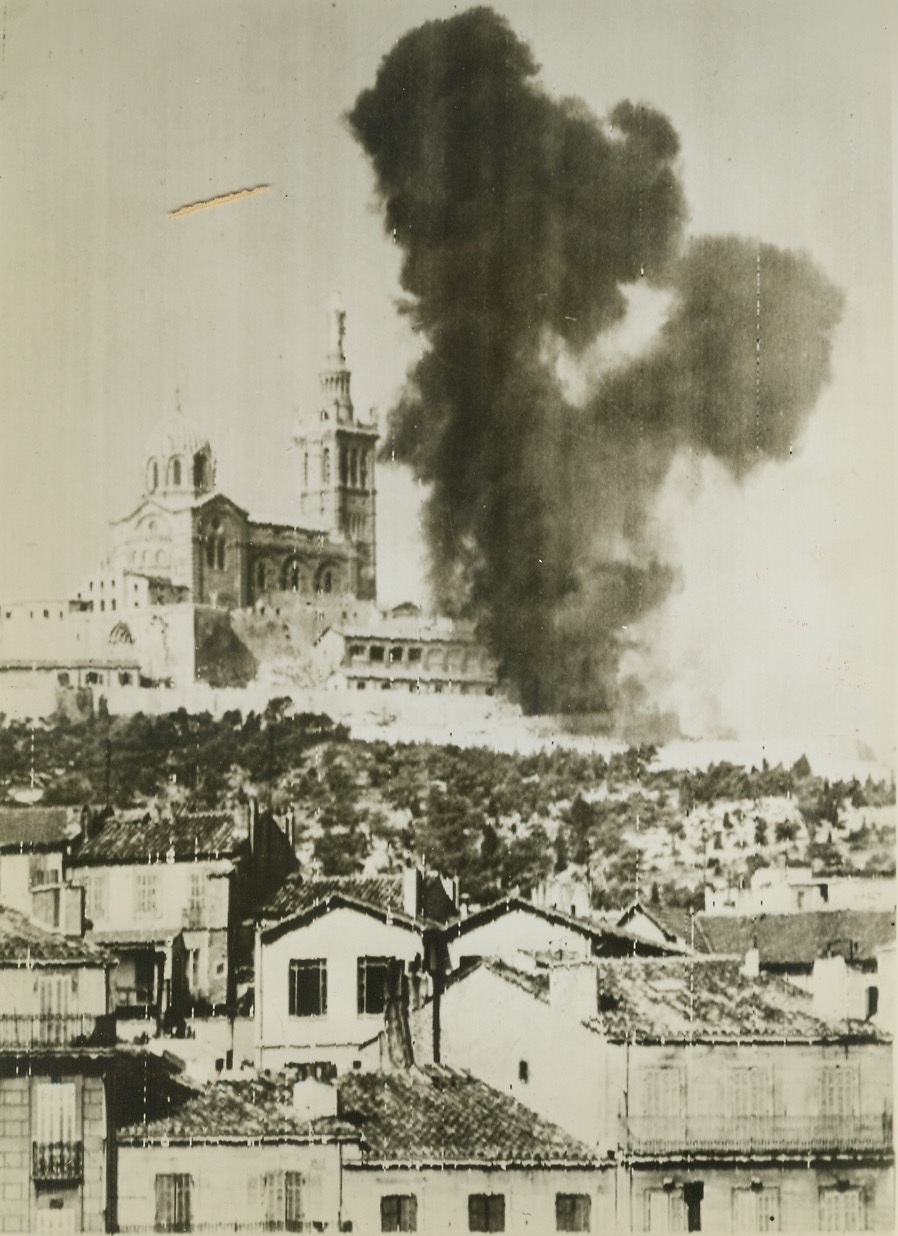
(336, 377)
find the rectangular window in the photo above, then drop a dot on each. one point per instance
(146, 890)
(665, 1210)
(96, 896)
(173, 1203)
(414, 654)
(524, 1074)
(376, 652)
(272, 1198)
(572, 1212)
(839, 1085)
(756, 1210)
(373, 984)
(486, 1212)
(841, 1210)
(661, 1093)
(55, 1113)
(196, 905)
(399, 1213)
(751, 1092)
(308, 988)
(293, 1201)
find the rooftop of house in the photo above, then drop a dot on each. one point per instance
(181, 838)
(677, 924)
(436, 1115)
(383, 895)
(34, 828)
(228, 1111)
(797, 939)
(688, 999)
(606, 936)
(424, 1116)
(297, 893)
(708, 999)
(26, 943)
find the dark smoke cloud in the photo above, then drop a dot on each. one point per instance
(522, 222)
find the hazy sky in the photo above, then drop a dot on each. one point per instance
(112, 115)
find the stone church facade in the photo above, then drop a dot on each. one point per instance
(210, 551)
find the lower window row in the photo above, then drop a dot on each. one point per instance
(486, 1212)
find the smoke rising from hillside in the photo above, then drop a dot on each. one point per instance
(523, 221)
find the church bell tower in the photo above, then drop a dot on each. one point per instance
(336, 453)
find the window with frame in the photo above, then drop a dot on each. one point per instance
(756, 1210)
(146, 894)
(293, 1195)
(308, 987)
(486, 1212)
(751, 1092)
(665, 1210)
(663, 1099)
(841, 1210)
(399, 1213)
(573, 1212)
(55, 1113)
(196, 904)
(675, 1208)
(373, 984)
(95, 898)
(839, 1086)
(173, 1202)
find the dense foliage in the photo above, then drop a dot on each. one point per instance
(500, 821)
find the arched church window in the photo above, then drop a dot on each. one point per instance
(261, 577)
(200, 470)
(291, 576)
(363, 469)
(220, 553)
(210, 551)
(344, 466)
(326, 466)
(176, 472)
(326, 580)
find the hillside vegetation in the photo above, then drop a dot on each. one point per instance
(500, 821)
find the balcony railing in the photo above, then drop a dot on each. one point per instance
(757, 1134)
(57, 1161)
(39, 1030)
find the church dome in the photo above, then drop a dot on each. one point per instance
(181, 437)
(182, 462)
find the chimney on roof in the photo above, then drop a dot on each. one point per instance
(313, 1099)
(411, 891)
(829, 988)
(574, 989)
(751, 966)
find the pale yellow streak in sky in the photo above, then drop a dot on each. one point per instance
(217, 201)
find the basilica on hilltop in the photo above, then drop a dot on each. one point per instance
(195, 594)
(189, 541)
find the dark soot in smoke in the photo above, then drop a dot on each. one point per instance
(521, 218)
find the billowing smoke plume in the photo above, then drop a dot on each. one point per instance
(523, 222)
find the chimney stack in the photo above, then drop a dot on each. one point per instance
(411, 889)
(574, 989)
(751, 966)
(313, 1099)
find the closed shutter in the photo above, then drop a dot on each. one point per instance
(55, 1116)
